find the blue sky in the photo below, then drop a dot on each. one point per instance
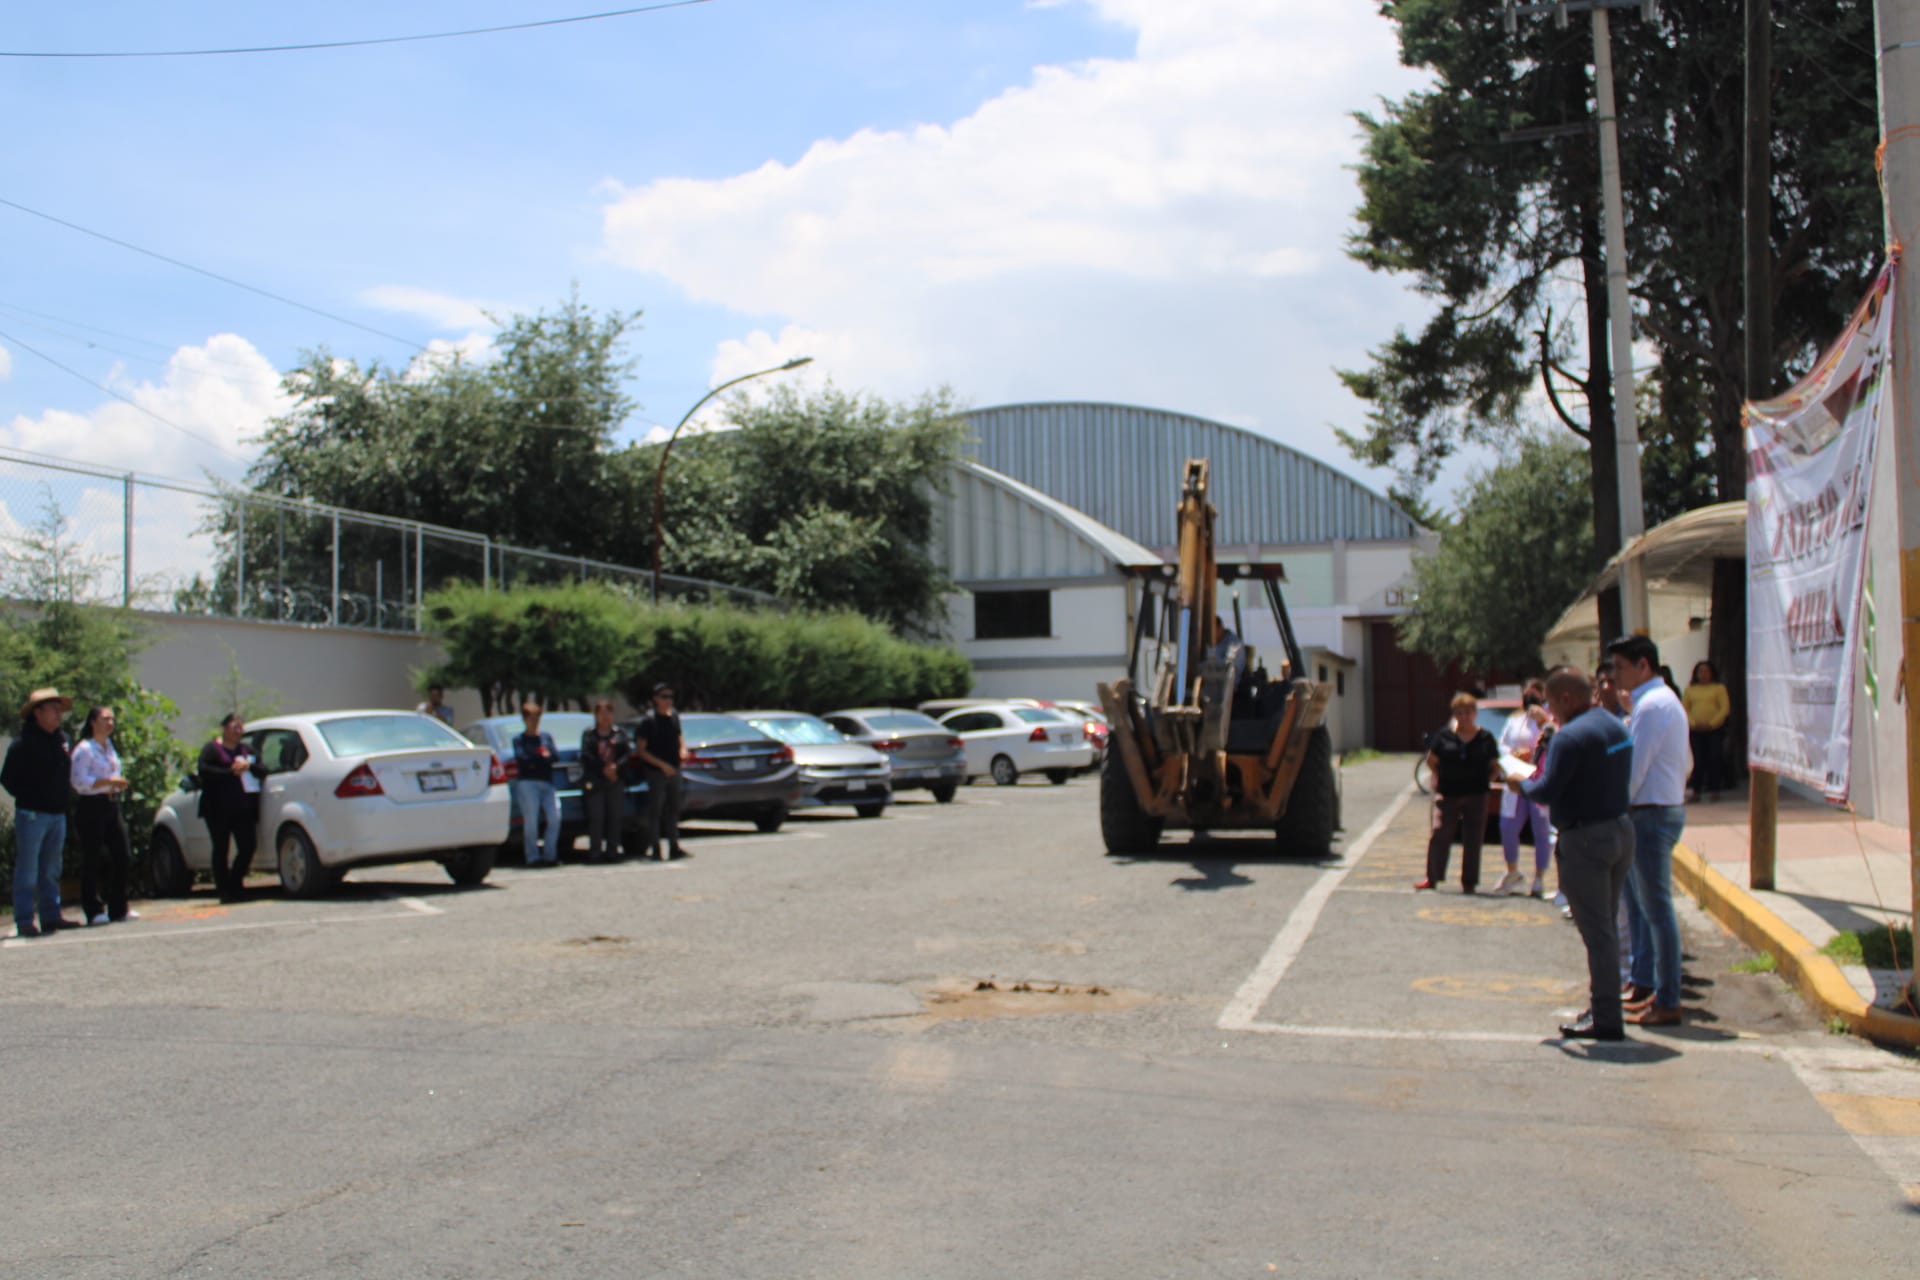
(1105, 199)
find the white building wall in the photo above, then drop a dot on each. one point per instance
(1088, 644)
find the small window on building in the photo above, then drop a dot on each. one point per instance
(1340, 684)
(1012, 615)
(1323, 673)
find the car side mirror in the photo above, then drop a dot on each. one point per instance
(190, 783)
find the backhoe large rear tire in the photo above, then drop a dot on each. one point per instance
(1124, 825)
(1306, 829)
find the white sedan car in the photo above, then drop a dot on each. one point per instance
(351, 789)
(1006, 739)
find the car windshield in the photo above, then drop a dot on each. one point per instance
(901, 720)
(697, 731)
(799, 731)
(370, 735)
(1037, 715)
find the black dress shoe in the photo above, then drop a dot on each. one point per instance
(58, 923)
(1582, 1028)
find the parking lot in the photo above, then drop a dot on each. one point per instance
(957, 1041)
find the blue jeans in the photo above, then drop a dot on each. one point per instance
(1650, 919)
(538, 801)
(38, 839)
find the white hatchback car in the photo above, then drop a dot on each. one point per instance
(1007, 739)
(351, 789)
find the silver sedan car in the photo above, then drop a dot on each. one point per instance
(833, 769)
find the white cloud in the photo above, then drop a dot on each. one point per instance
(217, 395)
(1166, 229)
(443, 311)
(474, 348)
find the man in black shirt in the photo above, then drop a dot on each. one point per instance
(1584, 788)
(1465, 761)
(37, 774)
(658, 747)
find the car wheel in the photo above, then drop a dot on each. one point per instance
(470, 866)
(1059, 777)
(771, 822)
(944, 793)
(869, 810)
(1004, 773)
(172, 877)
(1312, 816)
(301, 874)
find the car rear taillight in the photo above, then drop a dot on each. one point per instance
(956, 744)
(361, 782)
(498, 773)
(783, 756)
(694, 760)
(1038, 735)
(890, 744)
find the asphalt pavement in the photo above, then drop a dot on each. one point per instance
(957, 1041)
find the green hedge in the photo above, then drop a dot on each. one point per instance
(563, 643)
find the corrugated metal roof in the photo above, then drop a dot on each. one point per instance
(1121, 465)
(992, 528)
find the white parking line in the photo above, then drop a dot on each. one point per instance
(1255, 991)
(156, 932)
(424, 907)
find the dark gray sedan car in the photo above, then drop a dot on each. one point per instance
(925, 754)
(833, 768)
(732, 770)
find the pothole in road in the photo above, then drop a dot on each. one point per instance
(599, 942)
(999, 998)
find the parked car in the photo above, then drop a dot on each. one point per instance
(1092, 723)
(833, 769)
(497, 734)
(732, 770)
(1005, 740)
(351, 789)
(924, 754)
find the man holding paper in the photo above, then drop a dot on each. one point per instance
(230, 805)
(1584, 786)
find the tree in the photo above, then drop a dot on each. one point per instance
(1512, 562)
(554, 644)
(825, 500)
(1503, 232)
(61, 631)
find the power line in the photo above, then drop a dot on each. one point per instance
(215, 275)
(211, 443)
(353, 44)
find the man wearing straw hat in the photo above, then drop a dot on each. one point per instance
(38, 774)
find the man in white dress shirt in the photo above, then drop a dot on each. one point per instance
(1662, 760)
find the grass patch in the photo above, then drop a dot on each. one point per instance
(1762, 963)
(1877, 948)
(1362, 755)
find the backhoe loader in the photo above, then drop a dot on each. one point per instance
(1215, 741)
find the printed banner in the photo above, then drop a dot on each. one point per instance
(1809, 482)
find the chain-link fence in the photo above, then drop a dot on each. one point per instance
(173, 547)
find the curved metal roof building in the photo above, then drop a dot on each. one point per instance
(1120, 465)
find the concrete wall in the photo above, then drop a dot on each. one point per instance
(305, 668)
(1088, 644)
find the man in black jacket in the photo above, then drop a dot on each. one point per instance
(38, 775)
(230, 805)
(659, 751)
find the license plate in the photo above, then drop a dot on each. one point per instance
(858, 784)
(1067, 739)
(440, 780)
(573, 773)
(744, 764)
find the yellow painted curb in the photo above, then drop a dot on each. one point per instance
(1812, 974)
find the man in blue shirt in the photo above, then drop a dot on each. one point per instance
(1584, 786)
(1662, 758)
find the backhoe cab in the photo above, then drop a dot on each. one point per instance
(1217, 741)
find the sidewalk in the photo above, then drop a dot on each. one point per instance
(1833, 871)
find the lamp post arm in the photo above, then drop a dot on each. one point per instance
(660, 472)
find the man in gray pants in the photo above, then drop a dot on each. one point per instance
(1584, 785)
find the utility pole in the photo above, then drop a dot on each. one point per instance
(1626, 417)
(1897, 40)
(1763, 797)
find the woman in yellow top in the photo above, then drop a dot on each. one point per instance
(1707, 710)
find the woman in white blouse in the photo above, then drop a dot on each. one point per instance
(98, 785)
(1521, 739)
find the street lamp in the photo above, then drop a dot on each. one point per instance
(660, 473)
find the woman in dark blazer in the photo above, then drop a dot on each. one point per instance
(230, 805)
